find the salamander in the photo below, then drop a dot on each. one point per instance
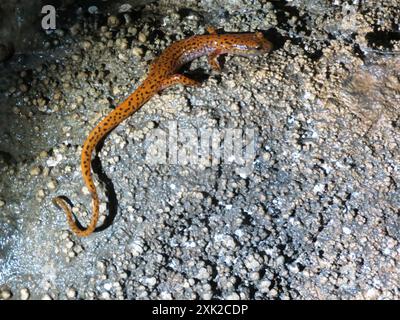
(163, 73)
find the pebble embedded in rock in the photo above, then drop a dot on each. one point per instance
(5, 294)
(71, 293)
(142, 37)
(35, 171)
(25, 294)
(113, 21)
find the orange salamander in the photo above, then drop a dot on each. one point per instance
(162, 74)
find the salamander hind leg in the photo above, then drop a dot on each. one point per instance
(179, 79)
(213, 61)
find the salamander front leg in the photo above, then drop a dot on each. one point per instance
(211, 30)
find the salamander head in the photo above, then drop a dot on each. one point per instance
(249, 44)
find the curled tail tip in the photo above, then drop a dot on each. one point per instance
(81, 233)
(61, 204)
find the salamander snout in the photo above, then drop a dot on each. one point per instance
(257, 44)
(262, 44)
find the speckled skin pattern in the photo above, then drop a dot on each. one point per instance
(162, 74)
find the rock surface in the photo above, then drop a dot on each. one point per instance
(314, 215)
